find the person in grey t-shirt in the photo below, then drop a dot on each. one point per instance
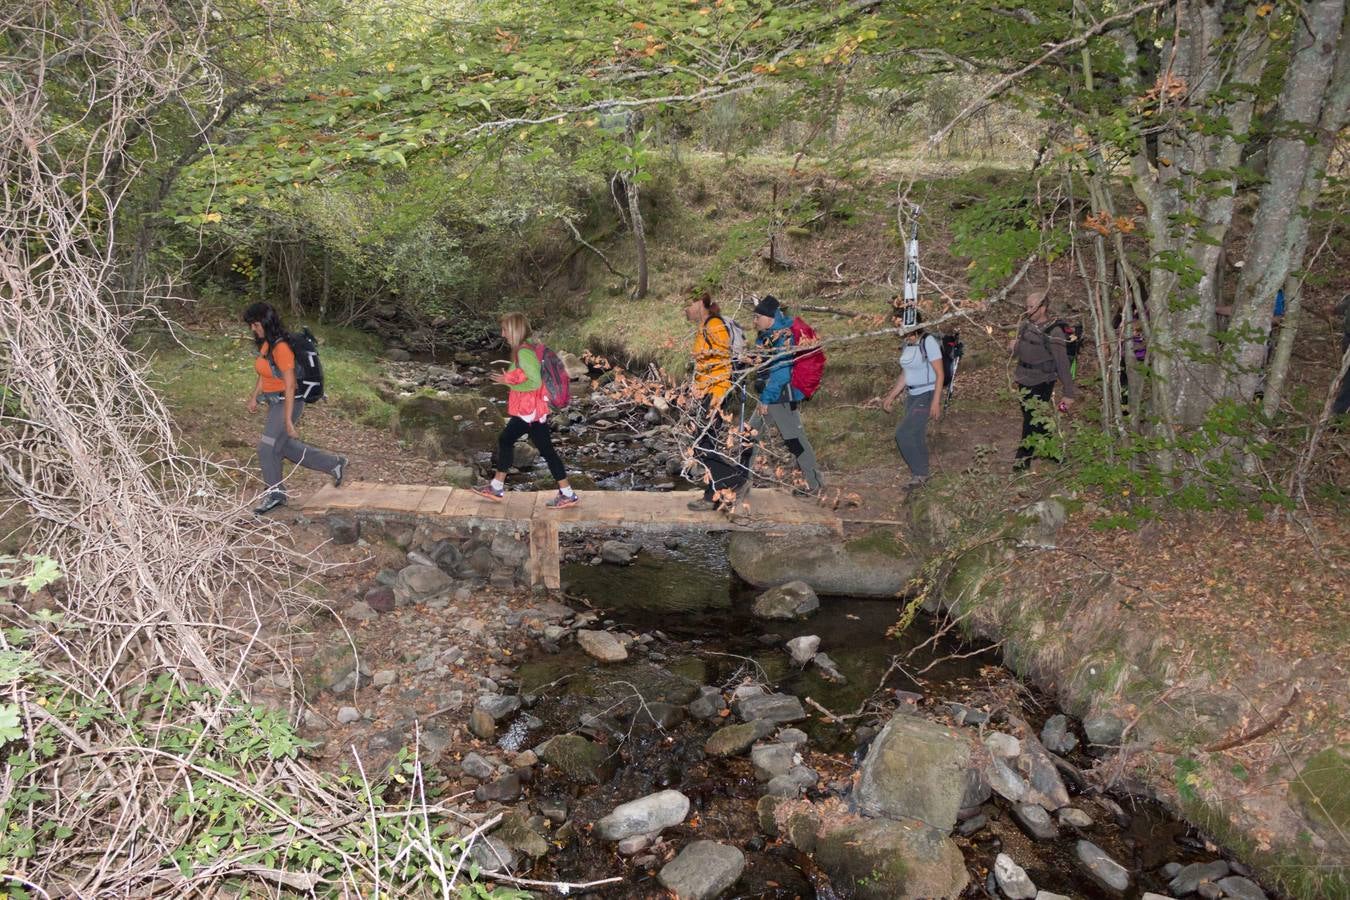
(921, 375)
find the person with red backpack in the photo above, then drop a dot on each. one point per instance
(528, 405)
(785, 376)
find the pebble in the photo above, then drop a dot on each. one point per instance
(1241, 888)
(973, 824)
(553, 810)
(1103, 869)
(602, 645)
(492, 854)
(703, 870)
(645, 815)
(1056, 735)
(965, 715)
(503, 790)
(631, 846)
(777, 708)
(1012, 879)
(1004, 745)
(1075, 818)
(384, 678)
(476, 766)
(803, 649)
(792, 736)
(828, 668)
(771, 760)
(360, 611)
(348, 714)
(1035, 821)
(483, 726)
(499, 706)
(1188, 878)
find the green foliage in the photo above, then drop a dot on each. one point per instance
(999, 229)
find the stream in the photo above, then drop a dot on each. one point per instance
(690, 616)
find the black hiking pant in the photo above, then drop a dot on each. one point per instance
(724, 472)
(540, 436)
(1034, 399)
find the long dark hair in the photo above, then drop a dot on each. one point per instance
(709, 304)
(265, 315)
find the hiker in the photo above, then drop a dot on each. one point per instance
(527, 405)
(778, 399)
(715, 391)
(1341, 405)
(921, 373)
(1042, 359)
(275, 365)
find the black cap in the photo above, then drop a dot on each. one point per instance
(767, 307)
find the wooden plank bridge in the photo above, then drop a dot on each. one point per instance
(766, 510)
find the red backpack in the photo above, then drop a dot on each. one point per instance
(556, 382)
(808, 367)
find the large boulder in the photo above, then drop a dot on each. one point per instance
(884, 859)
(915, 769)
(870, 566)
(417, 582)
(644, 816)
(703, 870)
(794, 600)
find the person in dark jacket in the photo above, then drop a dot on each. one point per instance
(778, 399)
(1341, 405)
(1042, 359)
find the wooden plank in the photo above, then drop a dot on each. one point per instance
(329, 497)
(520, 505)
(545, 557)
(404, 498)
(434, 501)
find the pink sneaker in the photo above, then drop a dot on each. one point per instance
(488, 491)
(562, 501)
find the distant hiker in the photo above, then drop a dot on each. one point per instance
(1341, 405)
(1042, 359)
(714, 364)
(778, 398)
(276, 386)
(528, 405)
(921, 372)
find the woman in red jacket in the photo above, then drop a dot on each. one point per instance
(527, 404)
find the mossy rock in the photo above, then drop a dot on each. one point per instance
(578, 759)
(1322, 789)
(883, 859)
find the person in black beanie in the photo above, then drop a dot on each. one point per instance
(778, 399)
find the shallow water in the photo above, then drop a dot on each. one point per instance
(688, 595)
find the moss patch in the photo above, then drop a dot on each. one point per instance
(1323, 787)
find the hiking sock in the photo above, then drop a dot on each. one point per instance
(498, 485)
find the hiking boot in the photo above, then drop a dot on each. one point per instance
(488, 491)
(703, 505)
(562, 501)
(272, 502)
(338, 470)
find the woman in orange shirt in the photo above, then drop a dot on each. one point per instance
(275, 365)
(712, 353)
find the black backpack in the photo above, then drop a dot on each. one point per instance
(952, 351)
(308, 368)
(1073, 340)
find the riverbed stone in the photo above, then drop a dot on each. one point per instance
(794, 736)
(1012, 879)
(770, 760)
(348, 714)
(794, 600)
(1037, 766)
(1035, 821)
(515, 830)
(777, 708)
(618, 553)
(644, 815)
(976, 790)
(864, 567)
(482, 725)
(1004, 745)
(417, 582)
(703, 870)
(1241, 888)
(381, 599)
(476, 766)
(707, 704)
(1190, 876)
(344, 530)
(885, 859)
(1056, 735)
(1103, 729)
(803, 648)
(1075, 818)
(1047, 895)
(492, 854)
(1104, 870)
(736, 739)
(915, 769)
(578, 759)
(828, 669)
(602, 645)
(499, 706)
(1004, 781)
(503, 790)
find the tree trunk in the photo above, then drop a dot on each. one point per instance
(1311, 110)
(639, 234)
